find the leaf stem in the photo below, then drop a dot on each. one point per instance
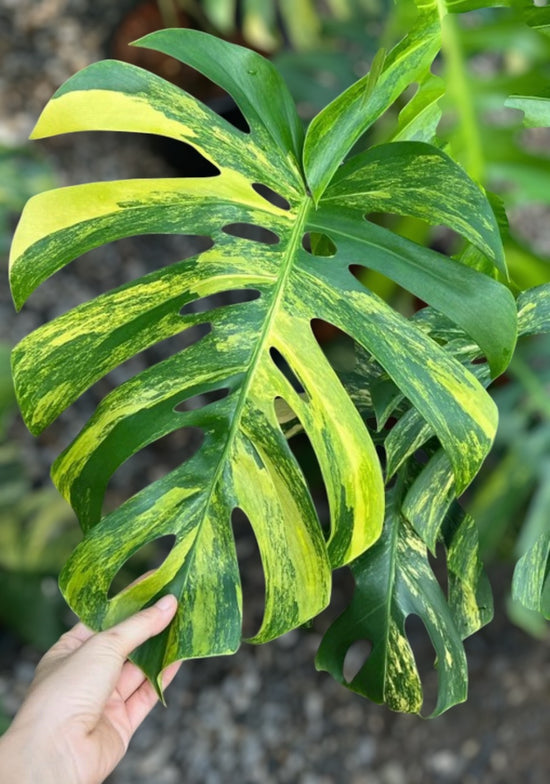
(468, 131)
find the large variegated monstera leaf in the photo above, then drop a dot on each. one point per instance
(244, 461)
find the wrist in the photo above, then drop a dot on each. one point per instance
(12, 756)
(22, 761)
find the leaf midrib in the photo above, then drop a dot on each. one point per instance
(286, 267)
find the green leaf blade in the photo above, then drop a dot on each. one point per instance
(335, 130)
(425, 508)
(460, 411)
(418, 179)
(393, 581)
(530, 582)
(59, 225)
(463, 294)
(419, 119)
(252, 81)
(534, 310)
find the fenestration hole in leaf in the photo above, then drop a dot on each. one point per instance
(186, 245)
(150, 463)
(325, 332)
(288, 421)
(225, 106)
(249, 231)
(251, 570)
(303, 451)
(117, 263)
(182, 340)
(438, 565)
(318, 244)
(219, 300)
(142, 360)
(129, 258)
(379, 284)
(183, 157)
(280, 362)
(202, 400)
(149, 557)
(271, 196)
(356, 656)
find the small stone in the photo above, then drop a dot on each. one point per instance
(313, 706)
(365, 778)
(365, 752)
(287, 640)
(499, 761)
(517, 695)
(393, 773)
(445, 763)
(157, 757)
(470, 748)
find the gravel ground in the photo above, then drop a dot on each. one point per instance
(264, 715)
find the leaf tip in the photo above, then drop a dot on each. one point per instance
(139, 41)
(159, 690)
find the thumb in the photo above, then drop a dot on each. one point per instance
(122, 639)
(102, 656)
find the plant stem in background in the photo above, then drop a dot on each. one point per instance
(467, 133)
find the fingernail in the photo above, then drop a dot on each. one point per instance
(166, 602)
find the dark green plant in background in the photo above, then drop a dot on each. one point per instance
(23, 172)
(399, 434)
(530, 587)
(511, 504)
(37, 534)
(36, 526)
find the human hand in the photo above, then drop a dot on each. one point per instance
(84, 704)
